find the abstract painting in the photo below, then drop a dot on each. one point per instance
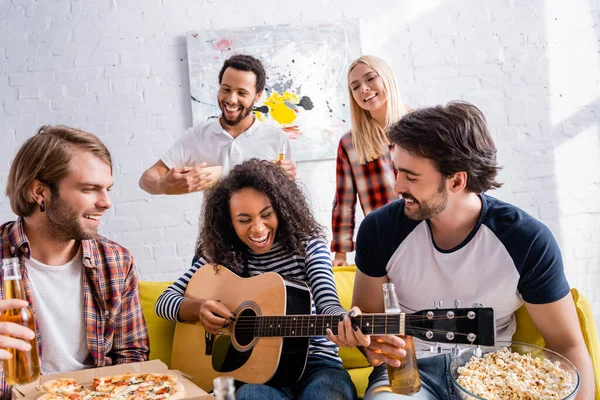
(306, 92)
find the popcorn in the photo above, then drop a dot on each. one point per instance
(503, 375)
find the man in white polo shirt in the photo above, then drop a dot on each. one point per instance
(233, 138)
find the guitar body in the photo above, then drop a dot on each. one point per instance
(238, 353)
(269, 340)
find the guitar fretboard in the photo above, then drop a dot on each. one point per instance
(317, 325)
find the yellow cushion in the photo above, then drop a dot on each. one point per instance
(526, 330)
(344, 281)
(528, 333)
(360, 378)
(160, 330)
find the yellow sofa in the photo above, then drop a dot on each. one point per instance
(161, 331)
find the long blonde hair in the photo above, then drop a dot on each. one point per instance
(368, 138)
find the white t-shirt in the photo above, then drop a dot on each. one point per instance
(58, 299)
(212, 144)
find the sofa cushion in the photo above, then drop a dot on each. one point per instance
(344, 281)
(160, 330)
(360, 378)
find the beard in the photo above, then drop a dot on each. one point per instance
(244, 112)
(64, 223)
(427, 209)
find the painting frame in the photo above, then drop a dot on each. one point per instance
(306, 91)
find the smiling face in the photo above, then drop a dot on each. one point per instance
(420, 184)
(237, 95)
(367, 87)
(73, 213)
(254, 219)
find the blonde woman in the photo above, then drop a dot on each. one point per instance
(364, 168)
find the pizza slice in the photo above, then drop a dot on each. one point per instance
(63, 384)
(140, 386)
(118, 387)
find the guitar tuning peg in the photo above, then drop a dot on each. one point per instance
(437, 304)
(456, 303)
(477, 352)
(478, 305)
(437, 349)
(456, 351)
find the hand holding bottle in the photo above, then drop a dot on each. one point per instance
(23, 364)
(288, 166)
(404, 374)
(13, 336)
(385, 349)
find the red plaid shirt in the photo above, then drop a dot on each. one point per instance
(115, 326)
(373, 182)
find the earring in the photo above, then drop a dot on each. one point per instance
(42, 206)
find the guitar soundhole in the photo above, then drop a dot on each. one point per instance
(244, 327)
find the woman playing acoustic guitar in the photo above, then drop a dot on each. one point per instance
(257, 220)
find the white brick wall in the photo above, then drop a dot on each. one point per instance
(118, 68)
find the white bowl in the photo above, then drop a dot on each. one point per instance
(515, 347)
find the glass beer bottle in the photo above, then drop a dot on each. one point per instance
(405, 378)
(224, 388)
(281, 154)
(24, 366)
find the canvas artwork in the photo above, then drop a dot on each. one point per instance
(306, 92)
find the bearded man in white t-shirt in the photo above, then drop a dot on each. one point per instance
(234, 137)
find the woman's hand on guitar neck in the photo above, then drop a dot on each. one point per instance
(349, 335)
(215, 317)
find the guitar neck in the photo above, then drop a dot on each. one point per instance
(474, 326)
(317, 325)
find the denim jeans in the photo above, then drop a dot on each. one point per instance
(436, 383)
(322, 379)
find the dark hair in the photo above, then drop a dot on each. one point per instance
(45, 156)
(220, 244)
(244, 62)
(455, 137)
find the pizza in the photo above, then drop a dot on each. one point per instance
(118, 387)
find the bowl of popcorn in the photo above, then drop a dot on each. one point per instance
(512, 370)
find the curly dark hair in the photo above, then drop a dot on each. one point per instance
(455, 137)
(244, 62)
(220, 244)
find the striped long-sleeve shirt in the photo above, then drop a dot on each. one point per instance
(372, 182)
(314, 269)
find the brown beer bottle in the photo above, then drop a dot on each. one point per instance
(24, 366)
(405, 378)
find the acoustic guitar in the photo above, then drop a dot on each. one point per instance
(268, 342)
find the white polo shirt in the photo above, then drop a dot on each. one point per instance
(212, 144)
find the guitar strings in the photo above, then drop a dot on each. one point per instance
(301, 325)
(253, 331)
(252, 321)
(336, 317)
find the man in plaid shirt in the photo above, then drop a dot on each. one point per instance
(82, 288)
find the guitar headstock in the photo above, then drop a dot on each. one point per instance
(476, 326)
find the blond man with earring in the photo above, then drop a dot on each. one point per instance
(364, 170)
(82, 287)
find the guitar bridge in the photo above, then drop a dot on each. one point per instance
(209, 340)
